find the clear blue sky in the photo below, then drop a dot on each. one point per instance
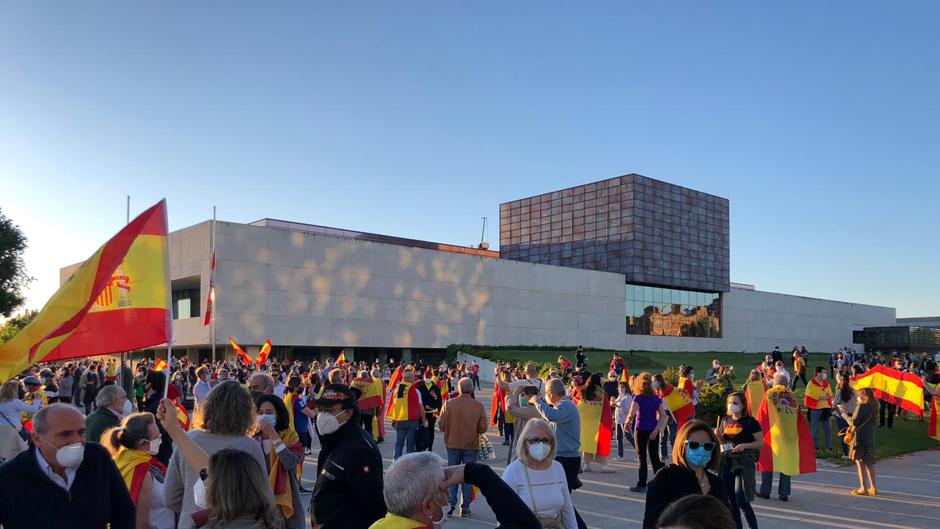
(818, 120)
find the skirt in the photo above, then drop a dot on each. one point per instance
(865, 454)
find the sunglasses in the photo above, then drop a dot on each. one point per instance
(545, 440)
(695, 445)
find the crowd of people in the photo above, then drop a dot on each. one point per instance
(223, 444)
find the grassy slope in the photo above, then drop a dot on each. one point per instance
(906, 436)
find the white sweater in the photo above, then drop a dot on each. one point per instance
(550, 488)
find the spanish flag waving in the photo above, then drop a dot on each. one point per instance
(788, 445)
(116, 301)
(892, 386)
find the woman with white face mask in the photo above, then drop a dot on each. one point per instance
(281, 445)
(133, 446)
(538, 479)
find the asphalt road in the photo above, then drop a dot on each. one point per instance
(909, 493)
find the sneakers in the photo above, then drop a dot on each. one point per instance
(451, 511)
(465, 514)
(585, 466)
(308, 451)
(606, 469)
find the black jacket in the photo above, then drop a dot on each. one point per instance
(672, 483)
(511, 512)
(98, 497)
(348, 493)
(430, 397)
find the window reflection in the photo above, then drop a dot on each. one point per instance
(658, 311)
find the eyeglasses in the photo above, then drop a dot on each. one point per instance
(694, 445)
(545, 440)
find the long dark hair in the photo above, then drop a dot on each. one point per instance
(845, 388)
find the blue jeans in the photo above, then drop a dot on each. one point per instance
(667, 440)
(816, 417)
(767, 482)
(405, 433)
(841, 424)
(458, 456)
(737, 496)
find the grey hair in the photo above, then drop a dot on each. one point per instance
(107, 394)
(408, 375)
(780, 379)
(556, 386)
(268, 379)
(522, 447)
(41, 419)
(410, 479)
(465, 385)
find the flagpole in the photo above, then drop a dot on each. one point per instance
(125, 379)
(215, 308)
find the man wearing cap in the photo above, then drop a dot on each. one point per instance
(348, 493)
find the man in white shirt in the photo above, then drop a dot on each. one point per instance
(201, 388)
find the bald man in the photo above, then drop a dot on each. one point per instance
(65, 481)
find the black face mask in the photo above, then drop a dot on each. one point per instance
(255, 395)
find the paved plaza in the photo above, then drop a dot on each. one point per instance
(910, 493)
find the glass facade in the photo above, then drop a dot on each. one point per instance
(657, 311)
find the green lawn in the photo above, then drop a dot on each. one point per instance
(907, 435)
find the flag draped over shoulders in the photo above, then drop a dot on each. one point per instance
(788, 445)
(596, 427)
(754, 392)
(679, 404)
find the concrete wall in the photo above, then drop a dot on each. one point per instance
(307, 289)
(757, 321)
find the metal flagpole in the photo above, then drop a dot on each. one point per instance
(125, 380)
(215, 306)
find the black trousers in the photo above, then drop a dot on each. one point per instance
(572, 467)
(367, 423)
(889, 411)
(643, 448)
(424, 437)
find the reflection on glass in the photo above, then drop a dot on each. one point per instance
(672, 312)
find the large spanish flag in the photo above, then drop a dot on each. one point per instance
(788, 445)
(596, 427)
(894, 387)
(116, 301)
(679, 404)
(264, 353)
(239, 352)
(754, 391)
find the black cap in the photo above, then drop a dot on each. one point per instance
(334, 394)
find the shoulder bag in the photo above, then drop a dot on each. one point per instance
(547, 522)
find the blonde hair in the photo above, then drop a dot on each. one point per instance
(10, 390)
(530, 425)
(238, 488)
(227, 410)
(643, 385)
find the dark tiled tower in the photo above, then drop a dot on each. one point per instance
(653, 232)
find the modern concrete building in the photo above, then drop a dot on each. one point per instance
(609, 283)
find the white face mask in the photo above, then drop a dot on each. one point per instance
(128, 408)
(327, 423)
(70, 456)
(824, 375)
(734, 408)
(443, 521)
(199, 494)
(655, 385)
(154, 447)
(539, 451)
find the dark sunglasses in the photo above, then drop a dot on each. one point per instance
(694, 445)
(545, 440)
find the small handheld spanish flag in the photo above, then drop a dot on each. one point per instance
(160, 365)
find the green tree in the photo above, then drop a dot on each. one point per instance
(15, 324)
(13, 277)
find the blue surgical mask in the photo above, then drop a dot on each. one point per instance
(698, 457)
(270, 419)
